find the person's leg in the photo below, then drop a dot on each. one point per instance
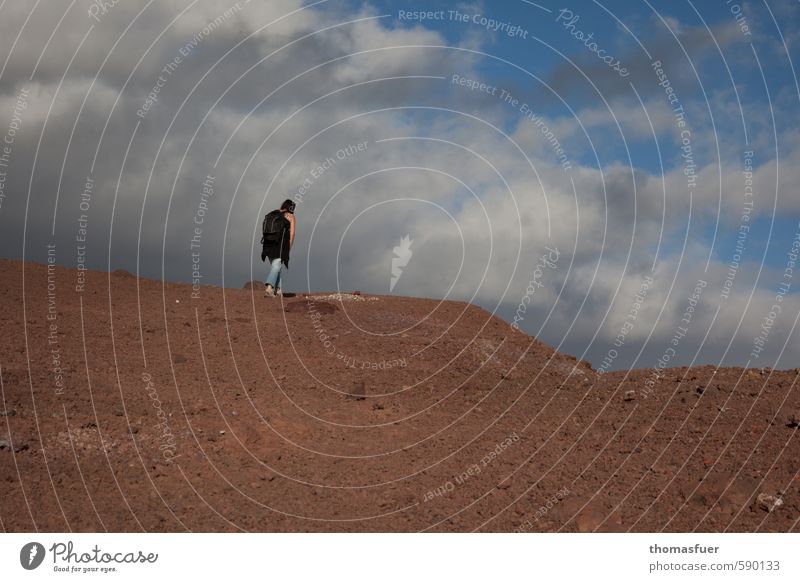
(279, 281)
(273, 276)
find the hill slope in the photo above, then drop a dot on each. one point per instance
(130, 405)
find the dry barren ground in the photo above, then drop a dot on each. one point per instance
(131, 406)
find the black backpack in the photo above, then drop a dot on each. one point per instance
(273, 226)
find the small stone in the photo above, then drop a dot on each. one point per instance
(793, 422)
(179, 359)
(629, 395)
(769, 503)
(6, 444)
(8, 413)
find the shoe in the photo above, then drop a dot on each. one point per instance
(268, 292)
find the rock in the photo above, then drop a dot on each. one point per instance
(8, 413)
(356, 292)
(793, 421)
(250, 285)
(769, 503)
(179, 359)
(629, 395)
(6, 444)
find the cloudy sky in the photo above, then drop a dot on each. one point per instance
(649, 150)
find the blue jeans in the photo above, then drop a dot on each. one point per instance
(274, 276)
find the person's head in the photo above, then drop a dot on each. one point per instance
(287, 206)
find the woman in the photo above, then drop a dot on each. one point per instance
(280, 226)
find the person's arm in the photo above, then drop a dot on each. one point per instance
(290, 218)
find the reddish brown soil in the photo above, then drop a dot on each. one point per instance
(271, 433)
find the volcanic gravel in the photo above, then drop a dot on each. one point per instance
(132, 406)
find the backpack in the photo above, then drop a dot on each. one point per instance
(273, 226)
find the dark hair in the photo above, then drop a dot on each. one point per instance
(288, 205)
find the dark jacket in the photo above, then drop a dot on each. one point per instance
(280, 248)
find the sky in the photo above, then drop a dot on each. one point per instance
(618, 178)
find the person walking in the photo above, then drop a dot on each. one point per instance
(278, 237)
